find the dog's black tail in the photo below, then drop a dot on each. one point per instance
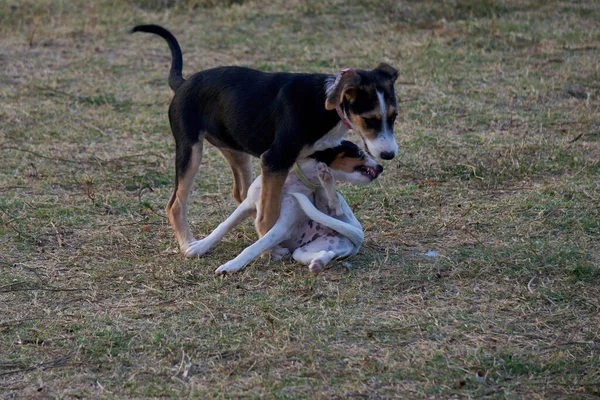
(175, 76)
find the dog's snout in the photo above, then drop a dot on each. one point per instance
(378, 169)
(387, 155)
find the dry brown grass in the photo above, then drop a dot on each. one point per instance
(499, 175)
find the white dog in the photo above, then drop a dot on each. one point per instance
(316, 224)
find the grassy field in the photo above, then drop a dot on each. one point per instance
(498, 174)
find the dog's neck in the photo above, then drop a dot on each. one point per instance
(308, 167)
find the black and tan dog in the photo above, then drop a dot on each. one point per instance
(275, 116)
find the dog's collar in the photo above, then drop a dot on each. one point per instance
(343, 117)
(339, 108)
(304, 179)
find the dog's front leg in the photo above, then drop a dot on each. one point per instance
(328, 184)
(275, 164)
(270, 201)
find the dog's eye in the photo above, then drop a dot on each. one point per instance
(392, 118)
(372, 123)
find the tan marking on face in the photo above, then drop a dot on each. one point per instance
(359, 123)
(346, 164)
(389, 109)
(372, 114)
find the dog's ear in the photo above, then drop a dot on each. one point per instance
(344, 86)
(388, 70)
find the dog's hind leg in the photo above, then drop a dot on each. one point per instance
(199, 247)
(187, 162)
(318, 253)
(241, 166)
(188, 155)
(316, 260)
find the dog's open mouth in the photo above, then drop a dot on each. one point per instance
(367, 171)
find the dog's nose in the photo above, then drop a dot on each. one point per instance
(378, 169)
(387, 155)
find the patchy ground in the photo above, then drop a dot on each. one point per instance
(498, 175)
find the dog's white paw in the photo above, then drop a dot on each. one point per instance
(228, 267)
(197, 248)
(337, 209)
(324, 173)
